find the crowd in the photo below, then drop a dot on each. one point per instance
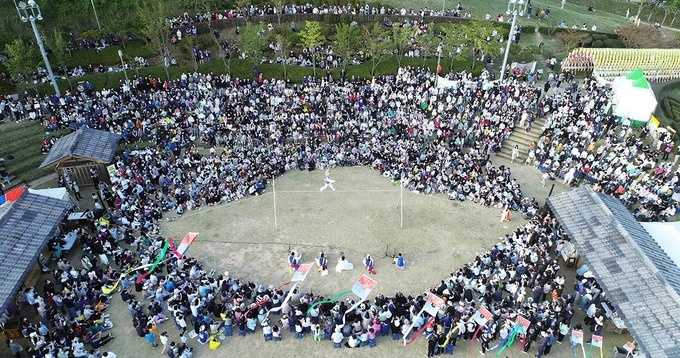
(41, 75)
(582, 142)
(435, 139)
(187, 24)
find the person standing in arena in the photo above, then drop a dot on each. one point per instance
(327, 181)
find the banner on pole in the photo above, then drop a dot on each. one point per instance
(364, 286)
(482, 316)
(524, 323)
(301, 272)
(596, 340)
(186, 242)
(433, 304)
(576, 336)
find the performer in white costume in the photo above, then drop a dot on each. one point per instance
(327, 181)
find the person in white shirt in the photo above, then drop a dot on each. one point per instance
(328, 182)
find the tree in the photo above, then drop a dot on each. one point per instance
(243, 5)
(670, 7)
(58, 46)
(279, 9)
(205, 6)
(282, 46)
(312, 37)
(346, 42)
(399, 40)
(252, 42)
(477, 33)
(151, 16)
(21, 59)
(452, 40)
(376, 43)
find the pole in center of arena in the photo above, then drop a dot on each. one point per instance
(401, 203)
(276, 227)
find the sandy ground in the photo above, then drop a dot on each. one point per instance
(361, 217)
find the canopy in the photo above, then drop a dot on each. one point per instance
(56, 193)
(633, 98)
(667, 235)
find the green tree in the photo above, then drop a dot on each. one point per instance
(399, 40)
(453, 39)
(243, 5)
(279, 9)
(311, 37)
(151, 16)
(282, 46)
(57, 45)
(346, 42)
(670, 7)
(477, 33)
(22, 59)
(376, 43)
(251, 42)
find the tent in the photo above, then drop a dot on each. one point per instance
(633, 98)
(667, 235)
(56, 193)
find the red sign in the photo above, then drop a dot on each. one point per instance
(485, 313)
(523, 322)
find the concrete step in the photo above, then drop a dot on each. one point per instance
(527, 137)
(522, 143)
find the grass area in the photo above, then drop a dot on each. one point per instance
(608, 14)
(21, 142)
(244, 69)
(109, 55)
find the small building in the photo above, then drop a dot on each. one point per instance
(635, 272)
(27, 223)
(82, 150)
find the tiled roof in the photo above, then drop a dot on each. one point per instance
(637, 276)
(25, 228)
(87, 143)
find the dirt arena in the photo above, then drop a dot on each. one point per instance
(362, 216)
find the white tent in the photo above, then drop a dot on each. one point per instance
(57, 193)
(667, 235)
(633, 98)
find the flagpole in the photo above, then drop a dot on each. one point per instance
(408, 331)
(276, 227)
(401, 203)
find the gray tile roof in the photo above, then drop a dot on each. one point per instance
(87, 143)
(25, 229)
(636, 274)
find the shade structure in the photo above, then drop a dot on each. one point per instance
(633, 98)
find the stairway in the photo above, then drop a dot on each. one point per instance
(522, 139)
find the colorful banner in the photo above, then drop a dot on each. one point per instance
(364, 286)
(596, 340)
(186, 242)
(301, 272)
(160, 257)
(433, 304)
(524, 323)
(576, 336)
(333, 299)
(482, 316)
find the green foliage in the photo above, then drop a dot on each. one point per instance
(346, 43)
(312, 36)
(57, 45)
(400, 37)
(151, 14)
(251, 42)
(22, 59)
(376, 44)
